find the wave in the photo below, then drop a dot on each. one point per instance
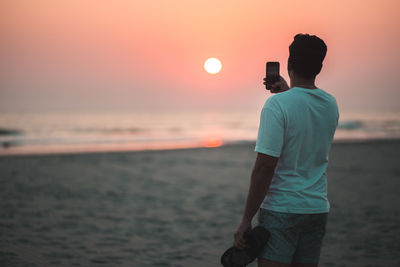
(133, 130)
(5, 131)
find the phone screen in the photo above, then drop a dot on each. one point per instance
(272, 74)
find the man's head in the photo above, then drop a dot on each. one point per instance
(306, 54)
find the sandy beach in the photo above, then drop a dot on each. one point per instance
(181, 207)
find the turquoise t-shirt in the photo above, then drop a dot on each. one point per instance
(298, 127)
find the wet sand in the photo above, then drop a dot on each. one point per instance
(181, 207)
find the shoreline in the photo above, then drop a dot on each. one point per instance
(57, 151)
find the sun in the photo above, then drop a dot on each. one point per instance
(212, 65)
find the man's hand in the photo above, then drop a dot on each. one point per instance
(240, 242)
(278, 87)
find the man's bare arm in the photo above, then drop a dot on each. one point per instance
(261, 177)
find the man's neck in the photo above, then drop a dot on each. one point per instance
(301, 82)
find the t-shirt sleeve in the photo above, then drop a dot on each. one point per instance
(271, 132)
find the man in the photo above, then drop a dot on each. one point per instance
(289, 182)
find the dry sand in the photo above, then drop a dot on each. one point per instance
(181, 207)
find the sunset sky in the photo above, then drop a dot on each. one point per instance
(149, 55)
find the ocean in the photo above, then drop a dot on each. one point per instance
(58, 132)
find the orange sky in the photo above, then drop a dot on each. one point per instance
(144, 55)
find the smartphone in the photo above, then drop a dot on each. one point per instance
(272, 74)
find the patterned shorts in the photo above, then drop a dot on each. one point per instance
(295, 238)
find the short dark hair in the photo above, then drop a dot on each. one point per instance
(306, 54)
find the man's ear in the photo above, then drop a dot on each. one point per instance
(289, 68)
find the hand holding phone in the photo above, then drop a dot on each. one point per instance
(279, 86)
(273, 81)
